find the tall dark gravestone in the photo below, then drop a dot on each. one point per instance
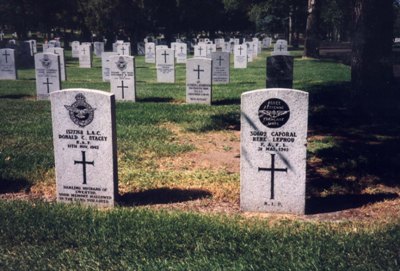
(279, 71)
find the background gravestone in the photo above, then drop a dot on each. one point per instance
(7, 65)
(240, 56)
(150, 52)
(105, 65)
(85, 149)
(165, 64)
(249, 51)
(98, 48)
(220, 67)
(75, 49)
(48, 77)
(124, 49)
(199, 80)
(280, 48)
(122, 77)
(85, 55)
(140, 48)
(181, 52)
(279, 71)
(60, 52)
(273, 150)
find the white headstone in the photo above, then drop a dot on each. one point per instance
(199, 80)
(7, 64)
(124, 49)
(210, 49)
(122, 77)
(105, 65)
(200, 50)
(85, 148)
(249, 51)
(266, 43)
(240, 56)
(85, 56)
(220, 67)
(48, 78)
(280, 48)
(165, 64)
(181, 53)
(60, 52)
(150, 53)
(273, 150)
(98, 48)
(75, 49)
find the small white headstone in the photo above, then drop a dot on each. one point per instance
(200, 50)
(60, 52)
(266, 43)
(7, 64)
(210, 49)
(98, 48)
(48, 78)
(75, 49)
(165, 64)
(220, 67)
(240, 56)
(85, 148)
(280, 48)
(273, 150)
(105, 65)
(181, 53)
(150, 52)
(122, 77)
(199, 80)
(249, 51)
(85, 55)
(124, 49)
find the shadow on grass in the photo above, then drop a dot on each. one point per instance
(226, 102)
(355, 151)
(155, 100)
(15, 96)
(162, 196)
(334, 203)
(14, 186)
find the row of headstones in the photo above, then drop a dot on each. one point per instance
(200, 73)
(273, 148)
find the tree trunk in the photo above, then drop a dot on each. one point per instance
(311, 43)
(371, 63)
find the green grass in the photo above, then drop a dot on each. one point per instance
(43, 236)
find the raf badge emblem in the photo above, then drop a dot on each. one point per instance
(46, 62)
(80, 112)
(121, 63)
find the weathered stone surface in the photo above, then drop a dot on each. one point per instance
(84, 137)
(198, 80)
(273, 150)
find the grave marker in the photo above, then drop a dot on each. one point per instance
(198, 80)
(60, 52)
(279, 71)
(84, 138)
(165, 64)
(98, 48)
(240, 56)
(273, 150)
(280, 48)
(75, 49)
(181, 53)
(85, 56)
(48, 78)
(220, 67)
(105, 65)
(122, 77)
(150, 54)
(7, 65)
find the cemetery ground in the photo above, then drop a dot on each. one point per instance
(178, 171)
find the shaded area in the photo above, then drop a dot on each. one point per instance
(226, 101)
(336, 203)
(353, 155)
(155, 100)
(15, 96)
(14, 186)
(162, 196)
